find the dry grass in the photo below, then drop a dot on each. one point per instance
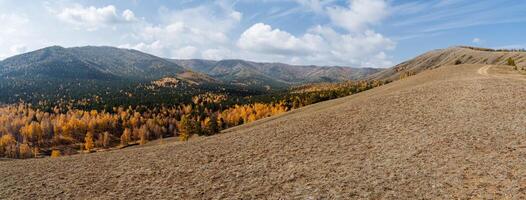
(451, 56)
(447, 133)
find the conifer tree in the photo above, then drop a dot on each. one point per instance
(213, 127)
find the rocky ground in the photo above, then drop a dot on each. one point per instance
(455, 132)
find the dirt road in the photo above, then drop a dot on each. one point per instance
(484, 70)
(455, 132)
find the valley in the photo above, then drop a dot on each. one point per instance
(385, 137)
(272, 99)
(435, 129)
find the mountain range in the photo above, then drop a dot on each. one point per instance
(243, 72)
(110, 63)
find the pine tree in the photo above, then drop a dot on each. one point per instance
(213, 127)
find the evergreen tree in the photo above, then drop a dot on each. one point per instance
(213, 127)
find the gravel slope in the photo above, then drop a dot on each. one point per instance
(448, 133)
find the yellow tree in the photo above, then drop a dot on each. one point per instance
(184, 125)
(125, 137)
(88, 141)
(24, 151)
(8, 146)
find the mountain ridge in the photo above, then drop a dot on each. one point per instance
(111, 63)
(450, 56)
(238, 70)
(79, 62)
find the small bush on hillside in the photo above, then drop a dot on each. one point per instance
(24, 151)
(511, 62)
(55, 153)
(88, 144)
(458, 62)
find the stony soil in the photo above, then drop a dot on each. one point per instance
(455, 132)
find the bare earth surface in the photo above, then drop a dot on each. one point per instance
(450, 56)
(452, 132)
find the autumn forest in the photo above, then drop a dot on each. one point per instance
(29, 130)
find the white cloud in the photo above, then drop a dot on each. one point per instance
(320, 45)
(186, 52)
(359, 15)
(18, 49)
(198, 32)
(217, 54)
(128, 15)
(13, 34)
(476, 40)
(212, 30)
(263, 39)
(94, 18)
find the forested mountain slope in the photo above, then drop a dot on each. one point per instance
(240, 71)
(87, 63)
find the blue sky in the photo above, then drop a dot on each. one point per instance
(359, 33)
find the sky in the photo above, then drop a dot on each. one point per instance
(356, 33)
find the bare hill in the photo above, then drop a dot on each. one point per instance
(451, 56)
(456, 132)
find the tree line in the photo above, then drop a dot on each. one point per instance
(26, 131)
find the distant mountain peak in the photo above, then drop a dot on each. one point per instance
(88, 62)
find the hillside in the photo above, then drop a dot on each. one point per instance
(87, 63)
(432, 136)
(110, 76)
(450, 56)
(241, 71)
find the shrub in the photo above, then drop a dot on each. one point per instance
(125, 137)
(106, 139)
(24, 151)
(8, 146)
(55, 153)
(511, 62)
(88, 144)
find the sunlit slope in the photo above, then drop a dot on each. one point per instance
(451, 56)
(448, 133)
